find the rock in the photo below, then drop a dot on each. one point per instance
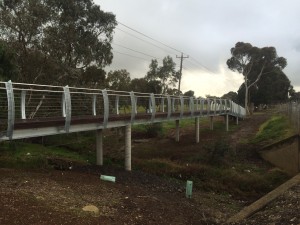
(92, 209)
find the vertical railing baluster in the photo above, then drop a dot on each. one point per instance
(67, 108)
(133, 106)
(106, 107)
(10, 109)
(117, 104)
(169, 107)
(94, 105)
(23, 104)
(181, 106)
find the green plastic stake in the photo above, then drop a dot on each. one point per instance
(108, 178)
(189, 188)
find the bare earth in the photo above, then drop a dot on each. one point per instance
(57, 197)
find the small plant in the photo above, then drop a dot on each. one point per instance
(154, 129)
(218, 151)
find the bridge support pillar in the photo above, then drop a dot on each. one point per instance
(211, 123)
(128, 147)
(177, 131)
(99, 147)
(227, 122)
(197, 129)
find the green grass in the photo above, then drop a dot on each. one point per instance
(27, 155)
(275, 129)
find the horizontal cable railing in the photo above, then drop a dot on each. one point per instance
(24, 103)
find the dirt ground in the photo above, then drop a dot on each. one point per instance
(57, 197)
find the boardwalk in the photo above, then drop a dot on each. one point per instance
(29, 110)
(32, 110)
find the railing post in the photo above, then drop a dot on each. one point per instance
(153, 107)
(162, 104)
(173, 104)
(117, 104)
(208, 106)
(94, 105)
(215, 101)
(133, 107)
(201, 106)
(181, 106)
(67, 108)
(23, 104)
(169, 106)
(106, 108)
(192, 106)
(10, 109)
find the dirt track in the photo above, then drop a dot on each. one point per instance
(57, 197)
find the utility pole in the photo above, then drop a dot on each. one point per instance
(180, 71)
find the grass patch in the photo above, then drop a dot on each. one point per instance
(28, 155)
(275, 129)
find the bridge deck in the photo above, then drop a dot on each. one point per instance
(28, 110)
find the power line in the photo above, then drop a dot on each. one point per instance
(149, 37)
(135, 51)
(145, 41)
(132, 56)
(170, 47)
(202, 65)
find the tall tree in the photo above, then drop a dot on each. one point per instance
(166, 74)
(144, 86)
(189, 93)
(119, 80)
(272, 88)
(231, 95)
(66, 36)
(253, 62)
(8, 67)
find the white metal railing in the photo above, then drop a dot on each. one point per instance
(31, 102)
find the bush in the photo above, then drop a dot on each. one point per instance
(153, 130)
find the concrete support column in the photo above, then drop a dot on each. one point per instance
(211, 123)
(197, 129)
(237, 120)
(177, 131)
(99, 147)
(227, 122)
(128, 147)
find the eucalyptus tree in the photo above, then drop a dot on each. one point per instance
(165, 74)
(253, 62)
(8, 67)
(57, 40)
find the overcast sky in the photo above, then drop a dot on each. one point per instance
(205, 30)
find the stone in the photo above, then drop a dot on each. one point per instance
(92, 209)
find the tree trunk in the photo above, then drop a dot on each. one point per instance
(246, 96)
(246, 101)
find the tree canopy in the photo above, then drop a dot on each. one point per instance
(119, 80)
(253, 63)
(57, 40)
(8, 67)
(165, 74)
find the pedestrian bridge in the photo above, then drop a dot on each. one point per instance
(32, 110)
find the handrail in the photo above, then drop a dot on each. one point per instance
(26, 102)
